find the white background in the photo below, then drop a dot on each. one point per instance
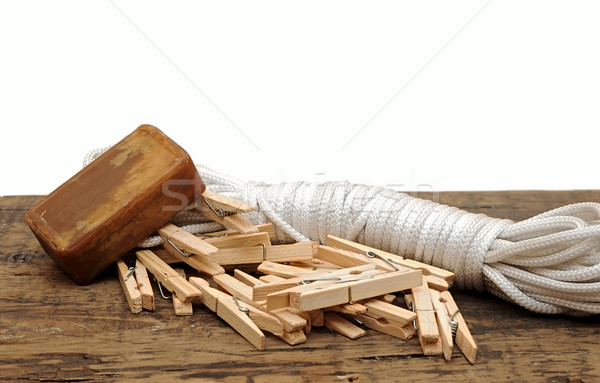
(456, 95)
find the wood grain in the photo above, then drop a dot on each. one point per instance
(54, 330)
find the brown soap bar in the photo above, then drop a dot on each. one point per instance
(115, 202)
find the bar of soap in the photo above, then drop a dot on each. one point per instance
(115, 202)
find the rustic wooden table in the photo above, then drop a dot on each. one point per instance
(53, 330)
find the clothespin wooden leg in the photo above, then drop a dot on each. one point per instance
(426, 322)
(307, 329)
(429, 347)
(269, 278)
(294, 337)
(246, 278)
(336, 323)
(167, 276)
(144, 285)
(130, 288)
(349, 308)
(236, 288)
(291, 322)
(382, 325)
(301, 251)
(317, 318)
(377, 308)
(182, 308)
(443, 324)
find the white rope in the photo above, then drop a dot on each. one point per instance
(548, 264)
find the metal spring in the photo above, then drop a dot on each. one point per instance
(372, 254)
(243, 309)
(411, 307)
(220, 212)
(454, 324)
(161, 290)
(185, 253)
(129, 273)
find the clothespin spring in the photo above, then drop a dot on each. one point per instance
(220, 213)
(241, 308)
(454, 324)
(372, 254)
(130, 271)
(338, 279)
(161, 290)
(411, 307)
(182, 252)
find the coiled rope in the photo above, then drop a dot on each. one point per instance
(548, 264)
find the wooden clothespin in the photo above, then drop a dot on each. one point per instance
(296, 278)
(381, 315)
(169, 278)
(345, 258)
(224, 205)
(350, 254)
(225, 210)
(382, 325)
(190, 249)
(395, 315)
(464, 339)
(326, 293)
(130, 287)
(294, 326)
(430, 347)
(301, 251)
(285, 323)
(243, 293)
(229, 309)
(345, 244)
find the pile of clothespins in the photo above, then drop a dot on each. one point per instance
(343, 286)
